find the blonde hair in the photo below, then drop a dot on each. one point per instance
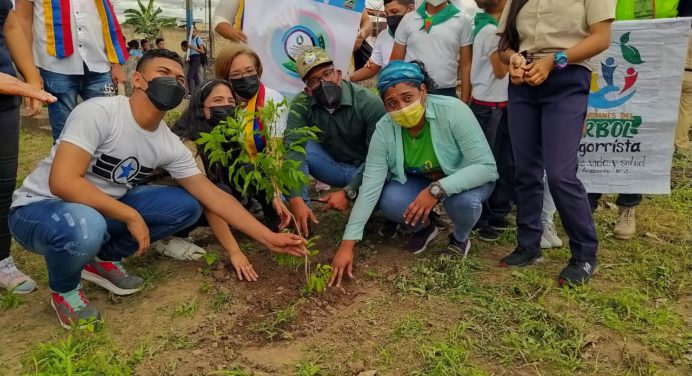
(224, 60)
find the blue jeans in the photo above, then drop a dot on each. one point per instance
(69, 235)
(324, 168)
(464, 208)
(66, 88)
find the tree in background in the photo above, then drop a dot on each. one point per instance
(147, 20)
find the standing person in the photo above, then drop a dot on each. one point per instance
(547, 108)
(186, 63)
(428, 150)
(160, 43)
(79, 48)
(682, 132)
(14, 48)
(145, 45)
(439, 35)
(346, 114)
(80, 208)
(133, 48)
(395, 10)
(489, 105)
(196, 48)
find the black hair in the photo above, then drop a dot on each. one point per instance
(487, 5)
(133, 44)
(510, 36)
(145, 40)
(158, 40)
(183, 44)
(401, 2)
(427, 80)
(152, 54)
(192, 122)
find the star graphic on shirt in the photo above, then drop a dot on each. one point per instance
(126, 170)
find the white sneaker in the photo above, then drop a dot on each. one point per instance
(13, 279)
(179, 249)
(549, 239)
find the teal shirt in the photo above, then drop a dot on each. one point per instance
(344, 134)
(459, 144)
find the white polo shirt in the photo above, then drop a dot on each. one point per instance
(439, 49)
(87, 38)
(487, 87)
(382, 49)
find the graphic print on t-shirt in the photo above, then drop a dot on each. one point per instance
(120, 171)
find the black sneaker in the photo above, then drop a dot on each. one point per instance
(522, 257)
(488, 234)
(577, 272)
(420, 240)
(499, 224)
(457, 247)
(388, 229)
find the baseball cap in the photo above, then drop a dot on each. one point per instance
(311, 57)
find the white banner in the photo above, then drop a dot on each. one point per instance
(277, 30)
(633, 108)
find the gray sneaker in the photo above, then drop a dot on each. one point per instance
(73, 308)
(111, 275)
(549, 239)
(13, 279)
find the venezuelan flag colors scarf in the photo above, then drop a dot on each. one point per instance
(240, 15)
(254, 140)
(440, 17)
(57, 14)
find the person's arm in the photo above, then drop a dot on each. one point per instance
(224, 17)
(594, 44)
(374, 177)
(22, 56)
(233, 213)
(373, 111)
(468, 137)
(464, 72)
(499, 68)
(223, 234)
(24, 9)
(364, 31)
(368, 71)
(398, 52)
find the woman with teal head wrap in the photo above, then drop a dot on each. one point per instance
(428, 149)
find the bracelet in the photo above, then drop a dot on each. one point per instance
(515, 54)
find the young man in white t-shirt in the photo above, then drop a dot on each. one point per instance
(489, 104)
(440, 35)
(395, 10)
(81, 208)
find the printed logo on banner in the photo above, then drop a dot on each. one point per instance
(609, 90)
(310, 32)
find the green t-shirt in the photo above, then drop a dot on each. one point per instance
(419, 155)
(645, 9)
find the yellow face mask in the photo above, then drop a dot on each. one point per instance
(409, 116)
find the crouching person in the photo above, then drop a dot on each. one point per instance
(79, 208)
(435, 151)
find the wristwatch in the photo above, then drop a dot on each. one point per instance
(351, 193)
(560, 60)
(437, 191)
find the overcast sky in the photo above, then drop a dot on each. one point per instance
(176, 8)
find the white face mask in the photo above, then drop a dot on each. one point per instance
(436, 2)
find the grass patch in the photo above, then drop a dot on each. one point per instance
(9, 300)
(277, 322)
(185, 309)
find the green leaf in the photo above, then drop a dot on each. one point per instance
(625, 38)
(631, 54)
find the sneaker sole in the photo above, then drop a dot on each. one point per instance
(64, 325)
(430, 238)
(536, 260)
(106, 284)
(623, 236)
(487, 239)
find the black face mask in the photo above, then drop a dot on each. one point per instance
(393, 23)
(220, 113)
(328, 94)
(165, 93)
(246, 87)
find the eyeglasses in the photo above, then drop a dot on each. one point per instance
(247, 73)
(315, 82)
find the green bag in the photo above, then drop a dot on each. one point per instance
(645, 9)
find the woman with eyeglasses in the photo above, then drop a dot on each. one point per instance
(241, 66)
